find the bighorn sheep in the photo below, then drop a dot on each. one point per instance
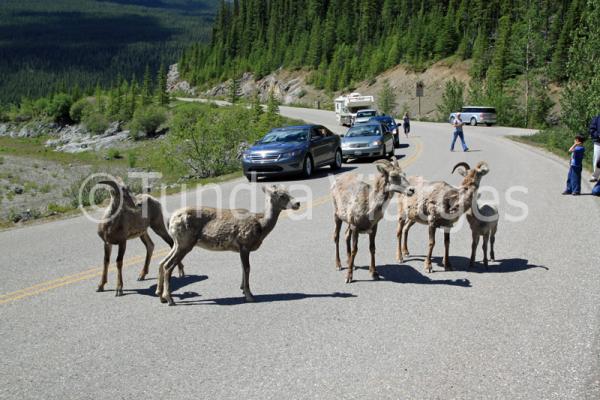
(128, 217)
(221, 229)
(483, 221)
(361, 206)
(438, 205)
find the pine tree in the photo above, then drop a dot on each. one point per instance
(147, 87)
(272, 106)
(497, 73)
(233, 91)
(162, 97)
(387, 99)
(257, 109)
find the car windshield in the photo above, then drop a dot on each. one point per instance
(361, 114)
(368, 130)
(285, 136)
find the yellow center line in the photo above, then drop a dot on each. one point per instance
(97, 271)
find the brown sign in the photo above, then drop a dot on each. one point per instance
(420, 87)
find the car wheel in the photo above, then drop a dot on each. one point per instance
(307, 167)
(473, 122)
(488, 124)
(249, 177)
(397, 141)
(337, 161)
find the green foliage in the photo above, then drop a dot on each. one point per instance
(581, 100)
(205, 140)
(71, 45)
(79, 109)
(147, 120)
(452, 99)
(59, 107)
(95, 122)
(387, 99)
(273, 107)
(114, 154)
(233, 90)
(162, 97)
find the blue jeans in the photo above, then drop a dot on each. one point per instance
(574, 180)
(459, 134)
(596, 189)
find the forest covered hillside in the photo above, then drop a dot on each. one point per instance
(52, 46)
(516, 48)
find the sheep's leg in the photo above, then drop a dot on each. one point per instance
(168, 271)
(336, 239)
(352, 255)
(348, 237)
(486, 237)
(372, 267)
(161, 273)
(120, 255)
(431, 246)
(149, 250)
(474, 245)
(401, 223)
(492, 241)
(245, 257)
(447, 265)
(161, 231)
(407, 227)
(104, 279)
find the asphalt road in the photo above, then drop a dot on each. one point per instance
(527, 328)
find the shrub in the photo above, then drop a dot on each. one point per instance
(131, 159)
(147, 120)
(114, 154)
(79, 109)
(452, 98)
(59, 107)
(95, 122)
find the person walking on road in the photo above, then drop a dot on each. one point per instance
(406, 124)
(574, 179)
(458, 133)
(595, 136)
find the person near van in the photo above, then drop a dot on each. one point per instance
(406, 124)
(458, 133)
(574, 178)
(595, 136)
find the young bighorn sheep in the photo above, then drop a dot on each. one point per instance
(438, 205)
(128, 217)
(223, 230)
(483, 221)
(361, 205)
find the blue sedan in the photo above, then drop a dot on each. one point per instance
(293, 150)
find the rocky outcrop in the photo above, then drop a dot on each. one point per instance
(29, 130)
(75, 139)
(176, 84)
(287, 89)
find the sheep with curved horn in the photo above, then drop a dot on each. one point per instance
(437, 205)
(129, 217)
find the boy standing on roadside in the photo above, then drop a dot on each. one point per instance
(574, 179)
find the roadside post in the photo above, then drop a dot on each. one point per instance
(420, 87)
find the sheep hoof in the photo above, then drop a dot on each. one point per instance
(428, 268)
(141, 278)
(375, 276)
(249, 298)
(163, 300)
(100, 289)
(348, 280)
(448, 268)
(172, 303)
(338, 266)
(118, 292)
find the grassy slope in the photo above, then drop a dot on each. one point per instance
(44, 43)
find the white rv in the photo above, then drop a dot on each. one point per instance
(346, 107)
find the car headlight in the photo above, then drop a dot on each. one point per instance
(246, 156)
(290, 155)
(376, 143)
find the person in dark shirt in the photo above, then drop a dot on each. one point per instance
(574, 179)
(406, 124)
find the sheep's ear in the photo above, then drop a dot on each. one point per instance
(482, 168)
(383, 169)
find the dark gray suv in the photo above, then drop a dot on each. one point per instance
(293, 149)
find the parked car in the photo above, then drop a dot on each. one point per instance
(474, 115)
(392, 126)
(293, 150)
(371, 139)
(363, 116)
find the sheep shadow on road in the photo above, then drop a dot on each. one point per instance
(176, 284)
(263, 298)
(499, 266)
(407, 274)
